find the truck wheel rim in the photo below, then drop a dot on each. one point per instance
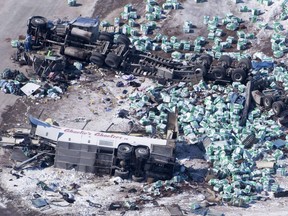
(237, 77)
(142, 151)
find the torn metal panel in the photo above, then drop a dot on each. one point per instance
(174, 210)
(30, 88)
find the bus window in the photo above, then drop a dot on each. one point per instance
(105, 143)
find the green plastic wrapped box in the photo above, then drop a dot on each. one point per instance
(255, 12)
(126, 29)
(219, 32)
(230, 39)
(176, 55)
(161, 127)
(216, 48)
(211, 35)
(14, 43)
(149, 16)
(267, 2)
(131, 22)
(149, 8)
(244, 8)
(173, 39)
(278, 54)
(212, 27)
(283, 16)
(197, 49)
(167, 6)
(175, 5)
(241, 34)
(225, 45)
(241, 46)
(149, 129)
(104, 23)
(133, 15)
(165, 38)
(232, 26)
(206, 20)
(151, 25)
(124, 16)
(144, 121)
(157, 119)
(127, 8)
(187, 46)
(71, 2)
(157, 9)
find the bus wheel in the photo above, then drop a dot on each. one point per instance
(142, 152)
(137, 178)
(124, 151)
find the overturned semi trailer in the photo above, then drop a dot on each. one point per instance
(82, 40)
(108, 153)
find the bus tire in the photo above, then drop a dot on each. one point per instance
(137, 178)
(124, 151)
(142, 152)
(121, 174)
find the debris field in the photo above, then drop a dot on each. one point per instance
(222, 73)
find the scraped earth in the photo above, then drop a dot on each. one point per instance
(97, 98)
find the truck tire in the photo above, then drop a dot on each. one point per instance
(142, 152)
(124, 151)
(123, 39)
(238, 75)
(97, 59)
(278, 107)
(245, 64)
(206, 59)
(199, 68)
(268, 101)
(226, 60)
(218, 73)
(38, 21)
(106, 36)
(112, 60)
(121, 174)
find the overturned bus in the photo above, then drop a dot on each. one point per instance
(108, 153)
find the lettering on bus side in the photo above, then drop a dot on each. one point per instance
(109, 136)
(99, 134)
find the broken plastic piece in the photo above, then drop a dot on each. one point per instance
(92, 204)
(39, 202)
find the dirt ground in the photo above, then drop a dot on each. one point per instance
(100, 100)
